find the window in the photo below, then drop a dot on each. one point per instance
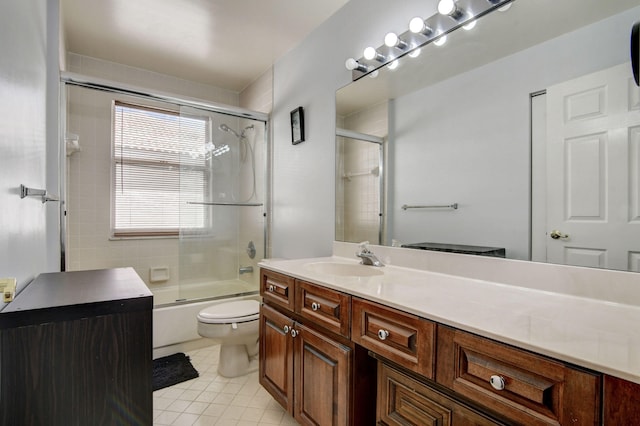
(158, 166)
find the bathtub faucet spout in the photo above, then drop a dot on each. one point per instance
(246, 269)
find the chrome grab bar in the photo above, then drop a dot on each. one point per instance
(453, 206)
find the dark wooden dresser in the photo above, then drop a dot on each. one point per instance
(75, 349)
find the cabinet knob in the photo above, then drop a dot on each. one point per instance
(272, 288)
(294, 332)
(383, 334)
(315, 306)
(497, 382)
(286, 329)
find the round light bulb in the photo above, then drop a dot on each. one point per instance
(351, 64)
(393, 64)
(370, 53)
(415, 53)
(391, 39)
(416, 25)
(446, 7)
(471, 25)
(440, 41)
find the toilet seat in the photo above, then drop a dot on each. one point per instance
(231, 312)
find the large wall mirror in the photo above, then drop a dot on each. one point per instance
(521, 135)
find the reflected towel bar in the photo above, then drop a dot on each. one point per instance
(453, 206)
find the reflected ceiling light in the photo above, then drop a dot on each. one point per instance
(352, 64)
(471, 25)
(392, 40)
(393, 64)
(415, 53)
(374, 74)
(505, 8)
(441, 40)
(418, 26)
(370, 53)
(449, 7)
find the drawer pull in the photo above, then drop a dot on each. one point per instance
(294, 332)
(383, 334)
(272, 288)
(286, 329)
(315, 306)
(497, 382)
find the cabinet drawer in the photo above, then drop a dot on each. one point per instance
(403, 401)
(400, 337)
(325, 307)
(526, 388)
(278, 288)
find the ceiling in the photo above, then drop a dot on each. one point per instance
(224, 43)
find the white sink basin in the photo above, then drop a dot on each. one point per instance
(344, 269)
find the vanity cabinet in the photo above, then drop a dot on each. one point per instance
(306, 362)
(526, 388)
(326, 356)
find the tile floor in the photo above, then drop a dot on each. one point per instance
(215, 400)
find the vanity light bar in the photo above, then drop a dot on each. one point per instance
(435, 27)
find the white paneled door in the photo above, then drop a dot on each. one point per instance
(593, 171)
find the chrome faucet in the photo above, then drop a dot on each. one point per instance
(367, 256)
(246, 270)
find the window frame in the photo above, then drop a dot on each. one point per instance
(168, 232)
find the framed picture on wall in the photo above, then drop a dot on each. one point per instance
(297, 126)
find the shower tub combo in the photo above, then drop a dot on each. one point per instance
(221, 229)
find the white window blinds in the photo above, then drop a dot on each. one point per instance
(158, 167)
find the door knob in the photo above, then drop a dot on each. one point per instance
(555, 234)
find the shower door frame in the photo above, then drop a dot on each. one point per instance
(363, 137)
(95, 83)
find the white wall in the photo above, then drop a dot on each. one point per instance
(472, 145)
(24, 26)
(308, 76)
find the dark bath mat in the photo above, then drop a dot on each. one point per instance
(172, 369)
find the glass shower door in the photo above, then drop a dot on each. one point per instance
(222, 192)
(359, 188)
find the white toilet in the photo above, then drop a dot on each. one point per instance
(235, 325)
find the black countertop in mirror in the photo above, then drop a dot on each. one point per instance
(459, 248)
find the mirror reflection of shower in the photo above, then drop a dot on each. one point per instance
(246, 149)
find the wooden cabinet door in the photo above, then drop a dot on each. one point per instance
(276, 356)
(398, 336)
(404, 401)
(526, 388)
(327, 308)
(277, 289)
(323, 369)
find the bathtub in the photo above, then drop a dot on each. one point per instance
(175, 327)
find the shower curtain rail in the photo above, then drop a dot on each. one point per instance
(128, 89)
(205, 203)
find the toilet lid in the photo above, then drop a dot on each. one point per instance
(228, 312)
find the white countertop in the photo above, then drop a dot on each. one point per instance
(598, 334)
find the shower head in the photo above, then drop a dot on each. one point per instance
(228, 129)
